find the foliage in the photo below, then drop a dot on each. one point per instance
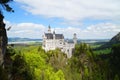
(33, 63)
(82, 59)
(3, 75)
(5, 5)
(57, 59)
(103, 51)
(115, 60)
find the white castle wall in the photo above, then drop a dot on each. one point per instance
(52, 44)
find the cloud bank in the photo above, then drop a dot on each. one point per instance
(32, 30)
(73, 10)
(73, 13)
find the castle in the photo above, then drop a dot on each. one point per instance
(51, 41)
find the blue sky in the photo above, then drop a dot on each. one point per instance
(93, 19)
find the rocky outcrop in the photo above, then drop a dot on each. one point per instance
(3, 39)
(115, 39)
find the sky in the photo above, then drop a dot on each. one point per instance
(89, 19)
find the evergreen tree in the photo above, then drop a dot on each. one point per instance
(3, 35)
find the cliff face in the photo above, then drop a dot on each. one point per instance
(3, 39)
(115, 39)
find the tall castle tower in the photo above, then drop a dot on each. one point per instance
(75, 38)
(49, 29)
(54, 34)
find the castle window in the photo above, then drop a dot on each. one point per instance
(68, 50)
(44, 45)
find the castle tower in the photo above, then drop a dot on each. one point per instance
(44, 41)
(54, 34)
(54, 40)
(75, 38)
(49, 29)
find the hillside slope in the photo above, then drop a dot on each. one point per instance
(114, 40)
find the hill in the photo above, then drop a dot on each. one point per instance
(17, 39)
(114, 40)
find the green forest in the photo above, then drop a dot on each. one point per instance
(33, 63)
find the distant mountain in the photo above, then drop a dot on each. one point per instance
(89, 40)
(114, 40)
(17, 39)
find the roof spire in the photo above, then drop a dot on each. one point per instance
(49, 29)
(54, 32)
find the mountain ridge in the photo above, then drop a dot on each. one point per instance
(16, 39)
(114, 40)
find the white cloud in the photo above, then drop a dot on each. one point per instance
(26, 30)
(32, 30)
(98, 31)
(101, 30)
(72, 12)
(73, 9)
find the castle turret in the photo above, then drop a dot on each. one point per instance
(49, 29)
(44, 39)
(74, 38)
(54, 34)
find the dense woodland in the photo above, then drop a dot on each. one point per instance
(33, 63)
